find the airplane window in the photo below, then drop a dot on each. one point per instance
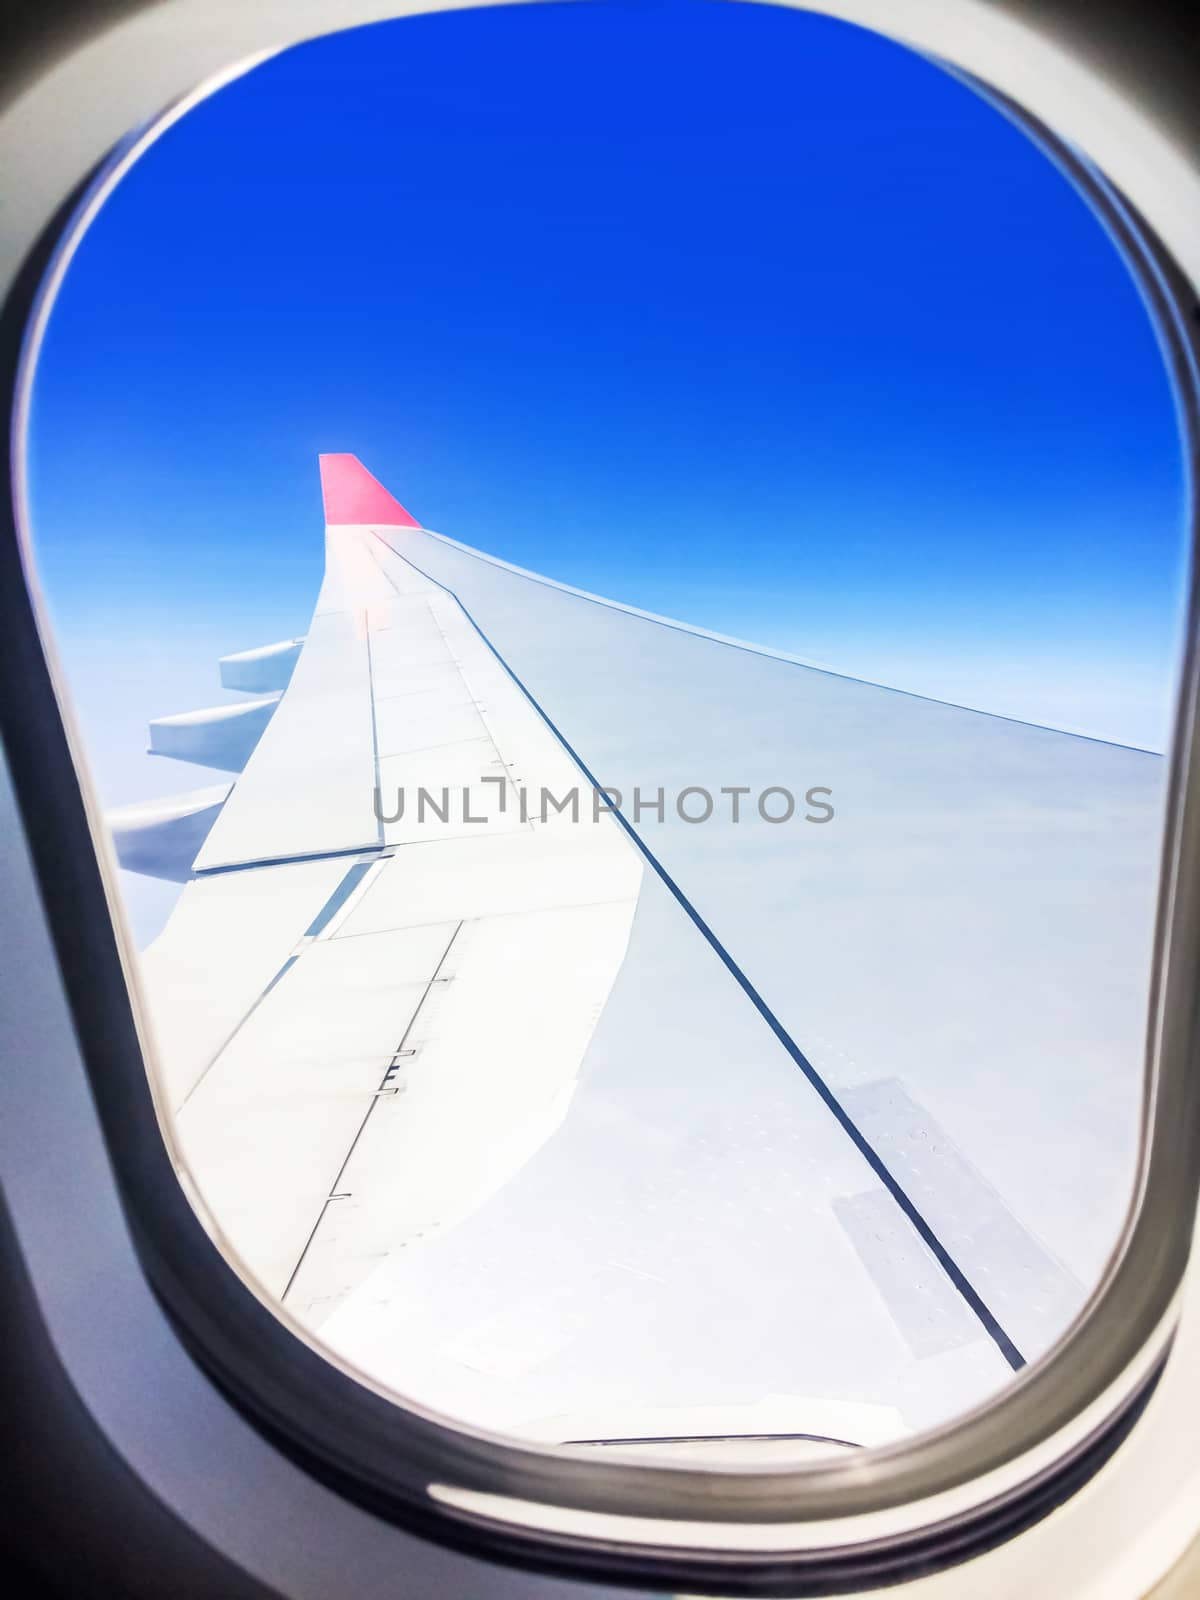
(620, 571)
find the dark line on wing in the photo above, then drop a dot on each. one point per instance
(290, 861)
(237, 1028)
(746, 649)
(943, 1257)
(333, 1187)
(338, 898)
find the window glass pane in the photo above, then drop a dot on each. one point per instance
(664, 956)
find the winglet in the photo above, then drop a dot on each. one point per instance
(352, 495)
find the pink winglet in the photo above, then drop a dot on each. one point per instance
(352, 495)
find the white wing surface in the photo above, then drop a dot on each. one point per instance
(589, 1120)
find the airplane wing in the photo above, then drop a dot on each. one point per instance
(581, 1018)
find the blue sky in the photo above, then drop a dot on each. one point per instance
(734, 313)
